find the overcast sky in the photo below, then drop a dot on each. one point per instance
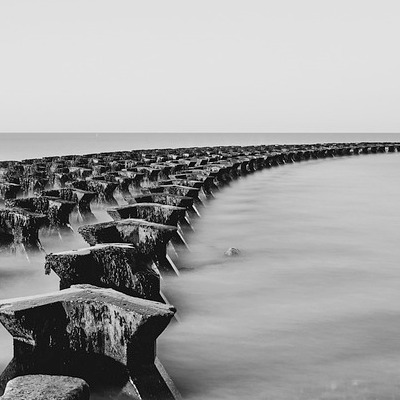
(224, 66)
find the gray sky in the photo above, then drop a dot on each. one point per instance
(224, 66)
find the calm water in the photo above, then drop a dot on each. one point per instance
(311, 309)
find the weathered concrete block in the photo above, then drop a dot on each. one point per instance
(123, 185)
(82, 198)
(46, 387)
(64, 194)
(165, 198)
(60, 179)
(186, 191)
(104, 190)
(117, 266)
(99, 335)
(57, 210)
(33, 204)
(9, 190)
(152, 212)
(148, 237)
(19, 229)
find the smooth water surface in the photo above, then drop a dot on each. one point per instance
(311, 310)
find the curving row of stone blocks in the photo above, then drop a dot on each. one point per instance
(103, 324)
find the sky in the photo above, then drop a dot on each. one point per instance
(199, 66)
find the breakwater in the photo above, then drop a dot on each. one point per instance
(122, 232)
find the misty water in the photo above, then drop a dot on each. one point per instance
(311, 308)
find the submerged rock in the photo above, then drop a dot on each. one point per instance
(232, 252)
(49, 387)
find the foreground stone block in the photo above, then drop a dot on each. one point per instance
(148, 238)
(99, 335)
(46, 387)
(118, 266)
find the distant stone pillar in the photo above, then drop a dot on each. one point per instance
(84, 198)
(123, 186)
(59, 212)
(9, 190)
(104, 190)
(153, 212)
(21, 229)
(56, 210)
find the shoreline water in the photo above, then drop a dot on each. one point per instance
(307, 311)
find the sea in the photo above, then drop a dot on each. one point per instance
(311, 307)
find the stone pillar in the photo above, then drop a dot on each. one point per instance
(179, 190)
(149, 238)
(57, 210)
(104, 190)
(123, 186)
(117, 266)
(20, 229)
(9, 190)
(58, 213)
(84, 198)
(153, 212)
(172, 200)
